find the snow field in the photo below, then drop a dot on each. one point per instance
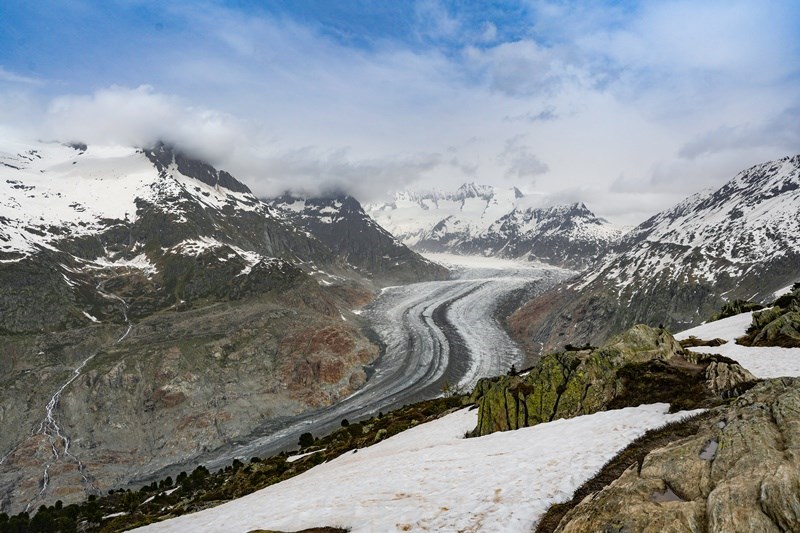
(763, 362)
(49, 185)
(430, 478)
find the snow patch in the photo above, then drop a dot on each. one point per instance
(90, 317)
(762, 362)
(293, 458)
(430, 478)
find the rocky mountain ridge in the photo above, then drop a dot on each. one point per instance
(341, 223)
(735, 472)
(484, 220)
(677, 268)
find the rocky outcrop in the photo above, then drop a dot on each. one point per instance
(726, 378)
(736, 307)
(642, 365)
(776, 326)
(739, 473)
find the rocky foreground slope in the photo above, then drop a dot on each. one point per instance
(738, 472)
(152, 308)
(741, 241)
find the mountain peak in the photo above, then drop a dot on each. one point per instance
(474, 190)
(163, 155)
(484, 220)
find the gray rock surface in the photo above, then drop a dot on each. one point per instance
(739, 473)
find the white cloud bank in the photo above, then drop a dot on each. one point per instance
(624, 109)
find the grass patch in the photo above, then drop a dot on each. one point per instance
(680, 385)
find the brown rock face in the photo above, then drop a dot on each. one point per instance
(180, 384)
(739, 473)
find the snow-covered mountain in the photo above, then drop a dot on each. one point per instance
(342, 225)
(677, 268)
(152, 308)
(484, 220)
(53, 194)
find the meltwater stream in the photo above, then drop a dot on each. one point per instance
(51, 429)
(434, 333)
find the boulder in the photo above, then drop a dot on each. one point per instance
(740, 472)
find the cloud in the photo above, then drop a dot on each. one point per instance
(489, 33)
(781, 130)
(546, 114)
(435, 21)
(11, 77)
(521, 163)
(312, 171)
(520, 68)
(140, 117)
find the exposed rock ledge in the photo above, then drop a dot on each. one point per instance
(642, 365)
(740, 472)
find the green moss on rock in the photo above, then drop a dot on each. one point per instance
(641, 365)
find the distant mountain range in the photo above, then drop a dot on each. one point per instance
(484, 220)
(741, 241)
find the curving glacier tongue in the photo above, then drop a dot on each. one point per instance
(441, 335)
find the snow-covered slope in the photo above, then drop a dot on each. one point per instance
(763, 362)
(70, 213)
(341, 223)
(51, 192)
(483, 220)
(751, 220)
(677, 268)
(430, 478)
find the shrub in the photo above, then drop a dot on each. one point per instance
(306, 440)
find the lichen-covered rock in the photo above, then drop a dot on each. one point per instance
(735, 307)
(641, 365)
(739, 473)
(568, 384)
(724, 377)
(776, 326)
(783, 331)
